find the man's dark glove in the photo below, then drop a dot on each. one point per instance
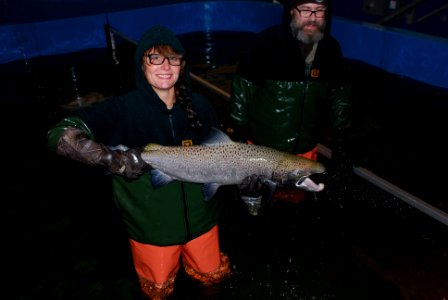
(75, 143)
(252, 186)
(251, 192)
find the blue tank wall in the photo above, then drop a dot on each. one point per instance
(27, 11)
(424, 16)
(418, 56)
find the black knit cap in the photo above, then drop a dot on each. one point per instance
(294, 3)
(157, 35)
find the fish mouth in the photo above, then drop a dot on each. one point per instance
(307, 184)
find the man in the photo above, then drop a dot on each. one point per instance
(291, 87)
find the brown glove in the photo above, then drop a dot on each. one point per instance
(75, 143)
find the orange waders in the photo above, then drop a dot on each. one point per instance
(157, 266)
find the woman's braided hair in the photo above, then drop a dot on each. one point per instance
(184, 97)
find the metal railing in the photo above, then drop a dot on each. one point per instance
(407, 8)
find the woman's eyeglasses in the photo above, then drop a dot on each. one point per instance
(157, 59)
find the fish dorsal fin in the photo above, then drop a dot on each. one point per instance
(216, 137)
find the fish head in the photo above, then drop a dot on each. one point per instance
(295, 172)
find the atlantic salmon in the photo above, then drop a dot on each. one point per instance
(219, 161)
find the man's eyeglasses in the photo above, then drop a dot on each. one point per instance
(306, 13)
(157, 59)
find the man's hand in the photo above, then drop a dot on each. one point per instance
(252, 185)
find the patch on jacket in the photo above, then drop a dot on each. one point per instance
(187, 143)
(315, 73)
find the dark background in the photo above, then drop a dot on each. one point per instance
(425, 16)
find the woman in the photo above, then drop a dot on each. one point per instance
(171, 222)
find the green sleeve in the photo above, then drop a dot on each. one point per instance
(242, 91)
(55, 132)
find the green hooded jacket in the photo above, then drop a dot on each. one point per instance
(170, 215)
(285, 104)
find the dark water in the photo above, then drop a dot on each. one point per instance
(63, 239)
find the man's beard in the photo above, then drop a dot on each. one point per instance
(305, 38)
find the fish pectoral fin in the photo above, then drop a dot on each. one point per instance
(159, 179)
(209, 190)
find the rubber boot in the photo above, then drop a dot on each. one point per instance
(214, 277)
(157, 291)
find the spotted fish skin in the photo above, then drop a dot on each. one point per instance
(221, 161)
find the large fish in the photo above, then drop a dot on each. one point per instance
(220, 161)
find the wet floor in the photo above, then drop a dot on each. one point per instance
(63, 238)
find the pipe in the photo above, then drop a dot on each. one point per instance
(399, 11)
(443, 7)
(210, 86)
(368, 175)
(421, 205)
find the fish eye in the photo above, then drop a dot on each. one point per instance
(297, 172)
